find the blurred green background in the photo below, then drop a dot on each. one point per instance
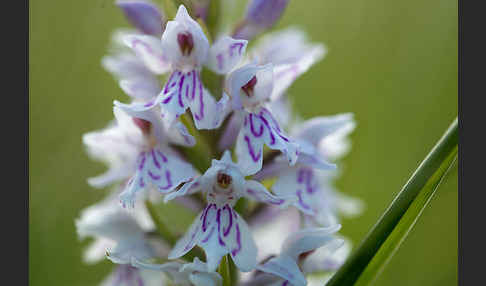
(392, 63)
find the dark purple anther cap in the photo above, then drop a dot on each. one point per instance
(186, 43)
(144, 16)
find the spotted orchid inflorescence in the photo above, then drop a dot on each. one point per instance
(193, 136)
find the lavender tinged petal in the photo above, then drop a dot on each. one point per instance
(145, 16)
(265, 12)
(230, 133)
(260, 15)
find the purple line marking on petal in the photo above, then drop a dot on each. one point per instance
(268, 199)
(208, 236)
(193, 94)
(181, 82)
(272, 137)
(169, 182)
(227, 231)
(305, 176)
(166, 88)
(153, 176)
(294, 69)
(141, 182)
(250, 150)
(204, 227)
(233, 46)
(150, 103)
(142, 162)
(156, 162)
(218, 220)
(274, 121)
(286, 283)
(219, 57)
(167, 99)
(200, 116)
(238, 241)
(252, 128)
(191, 241)
(148, 48)
(164, 159)
(301, 201)
(187, 91)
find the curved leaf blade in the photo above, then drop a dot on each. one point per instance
(394, 225)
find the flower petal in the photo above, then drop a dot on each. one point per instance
(259, 129)
(184, 24)
(184, 90)
(317, 128)
(256, 191)
(188, 188)
(286, 268)
(244, 251)
(260, 91)
(308, 239)
(145, 16)
(231, 131)
(135, 79)
(141, 88)
(302, 183)
(158, 168)
(189, 240)
(285, 74)
(148, 111)
(328, 258)
(225, 54)
(149, 50)
(110, 176)
(219, 231)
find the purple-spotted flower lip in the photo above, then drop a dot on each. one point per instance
(159, 168)
(219, 230)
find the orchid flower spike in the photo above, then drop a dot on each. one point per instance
(295, 249)
(194, 273)
(185, 48)
(219, 229)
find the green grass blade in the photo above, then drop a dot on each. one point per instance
(393, 226)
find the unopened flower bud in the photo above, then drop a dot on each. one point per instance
(145, 16)
(260, 15)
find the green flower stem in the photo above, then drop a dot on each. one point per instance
(214, 18)
(224, 271)
(199, 155)
(162, 229)
(354, 266)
